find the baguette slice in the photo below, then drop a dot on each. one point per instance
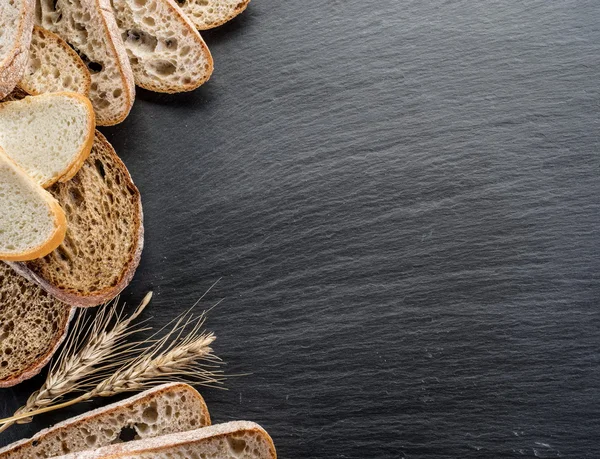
(166, 52)
(53, 66)
(32, 223)
(89, 26)
(235, 440)
(49, 136)
(32, 326)
(16, 23)
(162, 410)
(105, 236)
(207, 14)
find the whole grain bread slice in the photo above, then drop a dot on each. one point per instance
(231, 440)
(89, 27)
(32, 223)
(32, 326)
(105, 234)
(166, 52)
(16, 23)
(207, 14)
(165, 409)
(53, 66)
(49, 136)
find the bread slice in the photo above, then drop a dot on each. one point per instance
(49, 136)
(16, 22)
(166, 52)
(53, 66)
(235, 440)
(32, 326)
(105, 234)
(32, 223)
(162, 410)
(207, 14)
(89, 26)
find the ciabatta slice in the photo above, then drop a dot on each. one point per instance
(53, 66)
(32, 223)
(49, 136)
(232, 440)
(16, 23)
(162, 410)
(32, 326)
(206, 14)
(166, 52)
(89, 26)
(105, 235)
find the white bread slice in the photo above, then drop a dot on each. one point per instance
(166, 52)
(32, 326)
(16, 23)
(162, 410)
(207, 14)
(53, 66)
(235, 440)
(89, 26)
(49, 136)
(105, 234)
(32, 223)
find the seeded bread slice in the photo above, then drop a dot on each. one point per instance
(32, 326)
(49, 136)
(89, 26)
(32, 223)
(166, 52)
(232, 440)
(206, 14)
(53, 66)
(16, 23)
(162, 410)
(105, 234)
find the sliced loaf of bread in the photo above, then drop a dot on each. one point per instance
(206, 14)
(166, 52)
(16, 23)
(32, 326)
(89, 26)
(166, 409)
(32, 223)
(53, 66)
(105, 235)
(232, 440)
(49, 136)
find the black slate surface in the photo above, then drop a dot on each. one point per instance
(402, 202)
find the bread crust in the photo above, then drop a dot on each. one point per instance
(240, 8)
(60, 222)
(127, 274)
(76, 60)
(64, 425)
(14, 64)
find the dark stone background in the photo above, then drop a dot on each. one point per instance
(401, 200)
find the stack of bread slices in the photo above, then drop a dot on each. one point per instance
(167, 422)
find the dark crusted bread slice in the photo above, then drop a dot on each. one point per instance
(162, 410)
(32, 326)
(105, 233)
(89, 26)
(206, 14)
(16, 23)
(231, 440)
(53, 66)
(166, 52)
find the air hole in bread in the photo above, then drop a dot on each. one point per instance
(150, 415)
(127, 434)
(236, 445)
(100, 168)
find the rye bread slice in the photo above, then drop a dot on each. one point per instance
(207, 14)
(105, 233)
(89, 27)
(32, 326)
(165, 409)
(53, 66)
(16, 24)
